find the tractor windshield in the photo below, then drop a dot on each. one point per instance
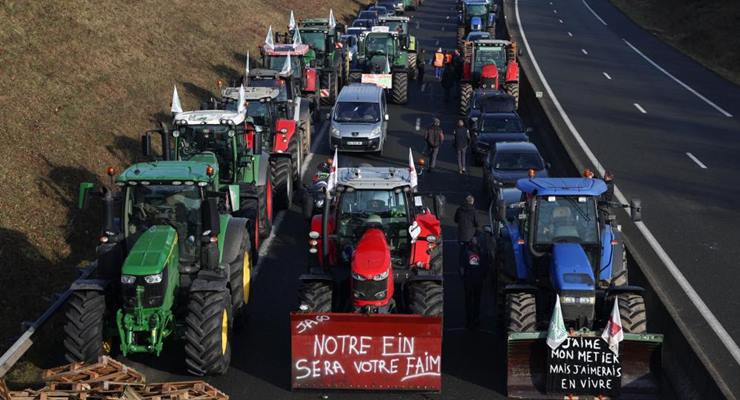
(377, 44)
(277, 62)
(477, 9)
(489, 55)
(177, 205)
(396, 26)
(357, 112)
(259, 112)
(317, 40)
(566, 219)
(196, 139)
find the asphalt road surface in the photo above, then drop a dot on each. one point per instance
(472, 362)
(668, 129)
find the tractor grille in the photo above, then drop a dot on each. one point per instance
(152, 296)
(369, 290)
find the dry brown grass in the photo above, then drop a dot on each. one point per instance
(707, 31)
(79, 82)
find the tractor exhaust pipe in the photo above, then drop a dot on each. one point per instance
(166, 155)
(109, 227)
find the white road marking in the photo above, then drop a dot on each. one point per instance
(696, 160)
(423, 87)
(436, 43)
(418, 124)
(554, 11)
(607, 76)
(685, 86)
(696, 300)
(639, 107)
(570, 34)
(594, 13)
(584, 51)
(560, 20)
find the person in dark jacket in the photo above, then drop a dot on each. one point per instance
(473, 271)
(448, 80)
(467, 220)
(462, 141)
(434, 138)
(420, 65)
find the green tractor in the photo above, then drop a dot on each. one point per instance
(382, 60)
(322, 36)
(405, 38)
(172, 263)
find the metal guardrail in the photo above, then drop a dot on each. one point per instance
(23, 343)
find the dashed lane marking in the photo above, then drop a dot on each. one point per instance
(594, 13)
(607, 76)
(639, 107)
(584, 51)
(696, 160)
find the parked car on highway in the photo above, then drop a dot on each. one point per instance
(359, 119)
(369, 15)
(382, 11)
(394, 5)
(495, 127)
(509, 161)
(489, 101)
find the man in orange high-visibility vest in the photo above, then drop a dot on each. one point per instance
(438, 63)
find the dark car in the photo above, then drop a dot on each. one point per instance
(372, 16)
(382, 11)
(391, 5)
(362, 23)
(489, 101)
(509, 161)
(492, 128)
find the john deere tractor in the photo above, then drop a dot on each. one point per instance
(382, 60)
(172, 263)
(475, 16)
(322, 35)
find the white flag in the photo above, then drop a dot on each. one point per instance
(387, 68)
(331, 182)
(291, 23)
(297, 38)
(269, 41)
(242, 106)
(613, 333)
(332, 21)
(556, 333)
(287, 67)
(246, 69)
(413, 177)
(176, 107)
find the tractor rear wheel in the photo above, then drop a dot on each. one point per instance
(521, 312)
(240, 276)
(632, 312)
(460, 36)
(513, 90)
(306, 137)
(425, 298)
(466, 95)
(259, 211)
(315, 296)
(330, 81)
(400, 90)
(282, 173)
(436, 262)
(83, 328)
(208, 333)
(413, 71)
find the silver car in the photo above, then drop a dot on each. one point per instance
(359, 119)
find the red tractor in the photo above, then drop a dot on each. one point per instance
(304, 76)
(488, 64)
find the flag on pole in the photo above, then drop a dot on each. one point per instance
(291, 23)
(287, 67)
(413, 177)
(176, 107)
(246, 69)
(331, 182)
(613, 333)
(556, 333)
(297, 38)
(387, 68)
(242, 106)
(332, 21)
(269, 41)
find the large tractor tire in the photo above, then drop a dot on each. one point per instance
(400, 90)
(208, 333)
(413, 71)
(282, 174)
(521, 312)
(460, 37)
(355, 77)
(258, 211)
(513, 90)
(330, 81)
(240, 276)
(426, 298)
(315, 296)
(466, 96)
(437, 258)
(632, 312)
(83, 328)
(306, 136)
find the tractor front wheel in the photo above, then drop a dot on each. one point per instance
(208, 333)
(83, 329)
(413, 71)
(315, 296)
(426, 298)
(240, 276)
(521, 312)
(632, 312)
(282, 172)
(513, 90)
(466, 95)
(400, 90)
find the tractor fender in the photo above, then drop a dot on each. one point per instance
(310, 74)
(236, 228)
(85, 285)
(512, 72)
(316, 226)
(614, 290)
(520, 287)
(316, 277)
(211, 281)
(304, 109)
(284, 131)
(264, 170)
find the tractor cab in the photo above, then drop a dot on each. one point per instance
(476, 16)
(378, 51)
(482, 53)
(263, 106)
(400, 25)
(490, 64)
(274, 58)
(288, 87)
(320, 37)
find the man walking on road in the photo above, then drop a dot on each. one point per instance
(420, 65)
(473, 271)
(462, 141)
(468, 226)
(438, 63)
(434, 138)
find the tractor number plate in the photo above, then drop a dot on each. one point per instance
(366, 352)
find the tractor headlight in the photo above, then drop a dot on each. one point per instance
(320, 203)
(151, 279)
(431, 238)
(358, 277)
(128, 279)
(577, 300)
(381, 276)
(381, 295)
(313, 235)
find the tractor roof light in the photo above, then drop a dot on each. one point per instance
(531, 173)
(110, 171)
(104, 239)
(587, 173)
(313, 235)
(213, 239)
(209, 170)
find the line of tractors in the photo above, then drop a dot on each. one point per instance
(181, 232)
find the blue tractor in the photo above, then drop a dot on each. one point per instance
(475, 16)
(558, 236)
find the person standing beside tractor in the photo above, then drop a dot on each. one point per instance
(420, 65)
(468, 227)
(438, 63)
(462, 141)
(434, 138)
(448, 80)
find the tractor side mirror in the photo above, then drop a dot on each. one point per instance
(211, 222)
(84, 196)
(636, 210)
(439, 204)
(500, 209)
(146, 144)
(234, 197)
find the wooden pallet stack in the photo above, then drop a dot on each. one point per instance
(109, 379)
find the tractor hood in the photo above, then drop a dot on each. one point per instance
(379, 64)
(152, 251)
(372, 255)
(571, 269)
